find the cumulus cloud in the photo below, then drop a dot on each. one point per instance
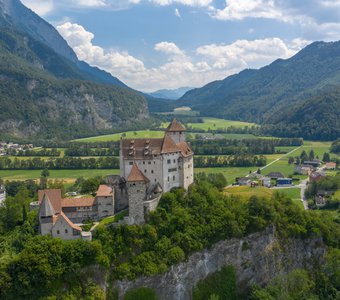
(90, 3)
(207, 63)
(168, 48)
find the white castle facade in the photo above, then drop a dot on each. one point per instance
(154, 166)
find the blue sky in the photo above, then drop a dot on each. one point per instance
(155, 44)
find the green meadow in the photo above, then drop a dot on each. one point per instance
(214, 123)
(128, 135)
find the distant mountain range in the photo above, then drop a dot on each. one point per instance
(46, 91)
(171, 94)
(294, 97)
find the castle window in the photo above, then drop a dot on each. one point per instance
(174, 178)
(149, 162)
(130, 163)
(168, 178)
(154, 162)
(138, 191)
(151, 171)
(143, 162)
(58, 232)
(66, 231)
(169, 161)
(174, 160)
(145, 171)
(155, 179)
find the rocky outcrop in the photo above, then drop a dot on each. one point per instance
(257, 258)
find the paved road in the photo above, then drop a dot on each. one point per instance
(303, 186)
(276, 160)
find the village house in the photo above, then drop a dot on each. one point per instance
(321, 197)
(316, 176)
(303, 169)
(275, 175)
(244, 181)
(314, 163)
(282, 182)
(330, 166)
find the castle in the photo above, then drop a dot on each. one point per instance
(148, 168)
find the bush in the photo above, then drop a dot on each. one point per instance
(141, 294)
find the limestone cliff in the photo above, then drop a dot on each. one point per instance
(257, 258)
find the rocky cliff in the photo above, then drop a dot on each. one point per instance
(257, 258)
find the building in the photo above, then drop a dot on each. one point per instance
(2, 194)
(330, 166)
(284, 182)
(266, 182)
(59, 216)
(151, 167)
(314, 163)
(244, 181)
(148, 168)
(322, 197)
(303, 169)
(316, 176)
(275, 175)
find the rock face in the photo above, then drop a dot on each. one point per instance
(257, 258)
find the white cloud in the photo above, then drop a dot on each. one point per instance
(177, 13)
(184, 2)
(238, 10)
(207, 63)
(40, 7)
(168, 48)
(90, 3)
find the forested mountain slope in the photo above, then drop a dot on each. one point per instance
(271, 93)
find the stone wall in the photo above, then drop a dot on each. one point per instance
(257, 258)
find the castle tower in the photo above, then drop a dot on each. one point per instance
(137, 185)
(46, 214)
(176, 131)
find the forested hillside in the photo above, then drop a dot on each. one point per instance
(44, 94)
(304, 85)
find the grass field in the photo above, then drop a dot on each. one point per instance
(67, 175)
(129, 135)
(229, 173)
(247, 192)
(214, 123)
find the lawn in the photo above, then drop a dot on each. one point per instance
(214, 123)
(293, 193)
(229, 172)
(67, 175)
(128, 135)
(246, 191)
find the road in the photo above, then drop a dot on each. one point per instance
(303, 186)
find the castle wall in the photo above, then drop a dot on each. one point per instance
(63, 230)
(152, 204)
(188, 172)
(45, 225)
(105, 206)
(171, 172)
(151, 168)
(81, 214)
(137, 193)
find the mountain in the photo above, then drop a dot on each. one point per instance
(268, 95)
(13, 14)
(170, 94)
(46, 92)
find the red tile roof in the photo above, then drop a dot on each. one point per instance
(141, 148)
(169, 146)
(104, 191)
(136, 175)
(185, 149)
(69, 222)
(54, 196)
(175, 126)
(75, 202)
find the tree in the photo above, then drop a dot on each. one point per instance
(291, 160)
(45, 173)
(326, 157)
(311, 155)
(303, 156)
